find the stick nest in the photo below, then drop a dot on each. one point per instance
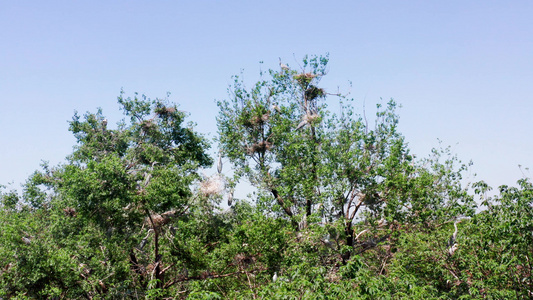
(260, 147)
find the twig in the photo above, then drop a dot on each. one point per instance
(165, 269)
(360, 233)
(250, 285)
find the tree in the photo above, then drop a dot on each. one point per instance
(498, 244)
(119, 190)
(309, 163)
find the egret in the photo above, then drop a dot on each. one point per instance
(142, 244)
(302, 124)
(452, 245)
(147, 178)
(283, 66)
(452, 239)
(219, 166)
(145, 240)
(452, 249)
(382, 222)
(327, 242)
(230, 197)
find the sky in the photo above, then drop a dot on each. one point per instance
(462, 70)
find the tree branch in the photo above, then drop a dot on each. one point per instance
(209, 276)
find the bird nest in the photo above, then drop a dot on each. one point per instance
(165, 111)
(69, 212)
(244, 261)
(304, 79)
(260, 147)
(314, 92)
(256, 120)
(311, 117)
(147, 125)
(212, 186)
(160, 219)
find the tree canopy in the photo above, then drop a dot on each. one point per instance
(342, 208)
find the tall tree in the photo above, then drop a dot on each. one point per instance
(125, 184)
(314, 163)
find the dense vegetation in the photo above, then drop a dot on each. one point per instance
(341, 209)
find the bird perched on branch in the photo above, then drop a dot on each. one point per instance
(219, 166)
(230, 197)
(283, 66)
(301, 124)
(452, 245)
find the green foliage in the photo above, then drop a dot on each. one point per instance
(9, 200)
(311, 165)
(81, 224)
(342, 210)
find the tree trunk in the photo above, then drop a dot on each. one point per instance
(285, 208)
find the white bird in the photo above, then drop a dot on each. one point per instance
(283, 66)
(452, 250)
(275, 277)
(327, 242)
(452, 239)
(230, 197)
(219, 166)
(302, 124)
(382, 222)
(452, 245)
(147, 177)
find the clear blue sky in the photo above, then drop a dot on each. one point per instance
(463, 70)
